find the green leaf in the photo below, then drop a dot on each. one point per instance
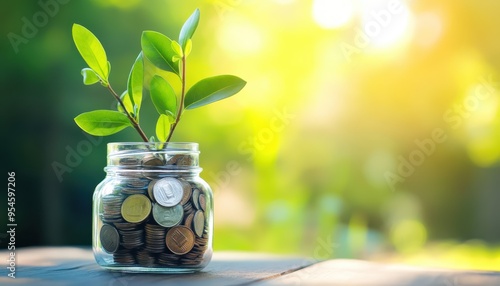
(163, 96)
(158, 49)
(189, 47)
(128, 105)
(188, 28)
(177, 49)
(102, 122)
(212, 89)
(135, 82)
(163, 127)
(91, 51)
(89, 76)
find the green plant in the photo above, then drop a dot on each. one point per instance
(165, 54)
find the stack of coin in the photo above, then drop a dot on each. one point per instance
(124, 256)
(155, 238)
(111, 206)
(168, 259)
(131, 239)
(145, 258)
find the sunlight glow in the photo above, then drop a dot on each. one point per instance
(386, 23)
(240, 38)
(332, 13)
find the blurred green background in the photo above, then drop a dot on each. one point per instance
(367, 129)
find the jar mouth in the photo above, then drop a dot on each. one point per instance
(153, 146)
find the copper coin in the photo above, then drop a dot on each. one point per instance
(203, 202)
(187, 191)
(152, 160)
(180, 239)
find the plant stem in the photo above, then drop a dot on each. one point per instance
(135, 124)
(181, 105)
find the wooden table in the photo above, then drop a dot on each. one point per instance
(75, 266)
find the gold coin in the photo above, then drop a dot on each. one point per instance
(180, 239)
(136, 208)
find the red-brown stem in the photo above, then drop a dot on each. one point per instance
(181, 106)
(132, 120)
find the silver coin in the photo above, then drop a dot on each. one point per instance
(168, 216)
(168, 192)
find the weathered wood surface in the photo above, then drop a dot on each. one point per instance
(76, 266)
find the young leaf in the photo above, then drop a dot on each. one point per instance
(128, 105)
(102, 122)
(158, 49)
(189, 47)
(163, 127)
(91, 51)
(163, 96)
(212, 89)
(188, 28)
(89, 76)
(177, 49)
(135, 80)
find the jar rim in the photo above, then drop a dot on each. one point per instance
(180, 146)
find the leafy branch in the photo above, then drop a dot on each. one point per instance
(165, 54)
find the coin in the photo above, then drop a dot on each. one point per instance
(152, 160)
(136, 208)
(188, 221)
(185, 160)
(203, 202)
(187, 191)
(168, 192)
(150, 190)
(111, 205)
(155, 238)
(180, 239)
(128, 161)
(134, 183)
(110, 239)
(167, 216)
(199, 223)
(145, 258)
(196, 198)
(132, 238)
(173, 160)
(124, 256)
(168, 259)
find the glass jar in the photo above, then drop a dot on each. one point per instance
(153, 212)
